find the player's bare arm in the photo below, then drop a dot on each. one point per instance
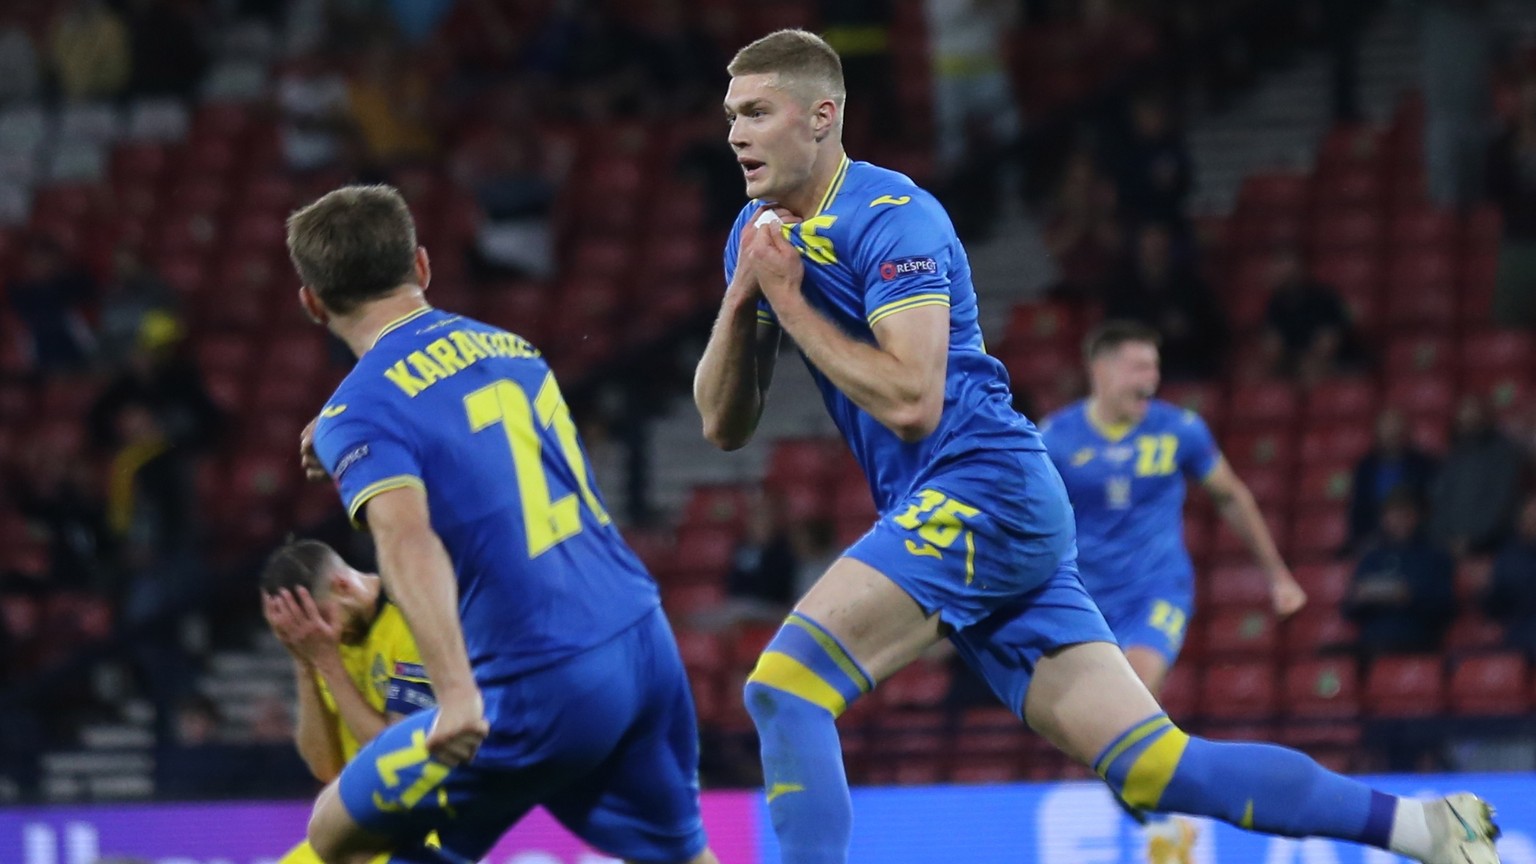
(1241, 513)
(314, 733)
(730, 386)
(899, 380)
(317, 643)
(419, 577)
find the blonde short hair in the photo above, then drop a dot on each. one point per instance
(806, 65)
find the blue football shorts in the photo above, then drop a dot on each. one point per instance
(988, 543)
(606, 741)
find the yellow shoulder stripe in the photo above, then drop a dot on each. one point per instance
(373, 490)
(906, 303)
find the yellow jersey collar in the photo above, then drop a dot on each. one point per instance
(399, 322)
(832, 188)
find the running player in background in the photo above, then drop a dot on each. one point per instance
(1124, 457)
(356, 667)
(862, 269)
(557, 678)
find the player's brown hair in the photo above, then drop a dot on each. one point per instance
(806, 65)
(353, 244)
(298, 564)
(1116, 332)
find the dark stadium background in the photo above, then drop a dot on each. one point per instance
(567, 167)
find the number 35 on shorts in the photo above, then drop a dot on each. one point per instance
(939, 521)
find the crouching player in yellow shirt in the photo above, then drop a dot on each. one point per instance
(356, 665)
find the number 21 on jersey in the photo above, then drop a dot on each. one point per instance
(546, 520)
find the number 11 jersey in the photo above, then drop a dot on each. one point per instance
(472, 415)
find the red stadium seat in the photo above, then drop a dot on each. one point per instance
(1271, 487)
(689, 599)
(1264, 404)
(1319, 533)
(1423, 228)
(1349, 272)
(1202, 398)
(719, 505)
(1493, 685)
(1229, 548)
(1259, 449)
(1240, 634)
(1410, 353)
(1472, 579)
(1484, 229)
(1316, 630)
(1473, 634)
(1423, 294)
(1325, 584)
(923, 684)
(1238, 691)
(1422, 395)
(1237, 587)
(1264, 193)
(1354, 230)
(1324, 483)
(701, 652)
(1411, 686)
(1048, 323)
(1496, 352)
(1341, 399)
(1347, 187)
(1338, 442)
(800, 461)
(1322, 689)
(704, 552)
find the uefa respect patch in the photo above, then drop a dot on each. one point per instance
(908, 266)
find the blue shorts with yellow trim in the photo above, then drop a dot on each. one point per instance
(606, 741)
(989, 544)
(975, 534)
(1155, 617)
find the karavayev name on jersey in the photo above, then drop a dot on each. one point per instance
(443, 357)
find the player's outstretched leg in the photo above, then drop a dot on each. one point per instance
(1086, 699)
(852, 629)
(1170, 840)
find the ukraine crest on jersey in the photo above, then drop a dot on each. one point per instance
(1127, 488)
(879, 245)
(472, 415)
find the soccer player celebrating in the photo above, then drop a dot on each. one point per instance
(557, 678)
(976, 541)
(1124, 456)
(356, 666)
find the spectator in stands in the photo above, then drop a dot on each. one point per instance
(57, 493)
(160, 378)
(1401, 594)
(1169, 295)
(1455, 49)
(48, 298)
(1083, 233)
(133, 293)
(681, 60)
(1512, 185)
(89, 51)
(1511, 595)
(860, 32)
(20, 71)
(198, 721)
(501, 164)
(760, 586)
(970, 76)
(390, 100)
(1394, 463)
(168, 47)
(1152, 168)
(1308, 333)
(1474, 497)
(312, 99)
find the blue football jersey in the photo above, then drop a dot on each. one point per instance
(472, 415)
(1127, 489)
(879, 245)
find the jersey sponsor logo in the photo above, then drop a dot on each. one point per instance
(907, 266)
(351, 459)
(1118, 453)
(894, 202)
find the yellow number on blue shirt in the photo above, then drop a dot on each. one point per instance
(1155, 454)
(391, 764)
(817, 248)
(1168, 619)
(546, 521)
(938, 519)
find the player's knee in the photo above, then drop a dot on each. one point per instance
(804, 665)
(1141, 763)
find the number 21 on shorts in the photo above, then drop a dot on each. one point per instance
(939, 521)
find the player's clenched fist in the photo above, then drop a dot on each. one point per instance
(774, 262)
(459, 728)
